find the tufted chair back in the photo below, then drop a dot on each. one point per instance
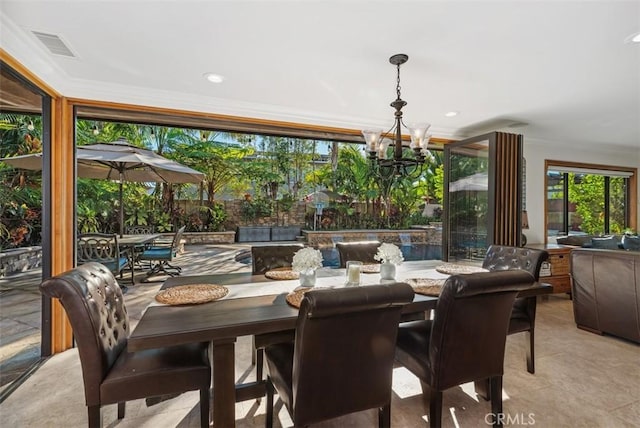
(523, 315)
(501, 257)
(363, 251)
(268, 257)
(93, 302)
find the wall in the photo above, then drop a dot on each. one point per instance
(536, 152)
(292, 217)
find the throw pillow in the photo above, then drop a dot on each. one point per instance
(605, 243)
(576, 240)
(631, 242)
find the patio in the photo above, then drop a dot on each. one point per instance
(20, 303)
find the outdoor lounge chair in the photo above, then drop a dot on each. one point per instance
(162, 255)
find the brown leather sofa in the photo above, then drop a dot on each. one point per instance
(605, 286)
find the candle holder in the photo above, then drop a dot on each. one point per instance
(353, 273)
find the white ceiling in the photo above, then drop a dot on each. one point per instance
(555, 71)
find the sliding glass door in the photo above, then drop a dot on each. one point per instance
(482, 195)
(24, 244)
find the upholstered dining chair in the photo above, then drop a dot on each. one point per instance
(341, 361)
(523, 316)
(267, 257)
(465, 341)
(95, 306)
(162, 255)
(263, 259)
(363, 251)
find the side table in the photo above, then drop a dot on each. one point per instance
(556, 270)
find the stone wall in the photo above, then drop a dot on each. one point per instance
(19, 260)
(198, 238)
(293, 217)
(201, 238)
(327, 238)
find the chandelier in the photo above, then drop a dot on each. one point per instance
(378, 143)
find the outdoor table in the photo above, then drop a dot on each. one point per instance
(128, 241)
(135, 244)
(254, 305)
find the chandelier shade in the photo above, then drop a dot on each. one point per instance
(377, 143)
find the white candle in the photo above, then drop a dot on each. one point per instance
(353, 274)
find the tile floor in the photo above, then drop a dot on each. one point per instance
(581, 380)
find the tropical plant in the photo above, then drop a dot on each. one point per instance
(253, 208)
(586, 191)
(219, 161)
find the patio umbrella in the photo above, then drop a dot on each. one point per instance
(120, 161)
(477, 182)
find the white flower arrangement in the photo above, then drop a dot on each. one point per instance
(389, 253)
(306, 258)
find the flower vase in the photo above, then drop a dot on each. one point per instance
(387, 271)
(308, 278)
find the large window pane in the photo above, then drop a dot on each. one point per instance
(586, 201)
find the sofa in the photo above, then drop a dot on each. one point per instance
(605, 287)
(607, 242)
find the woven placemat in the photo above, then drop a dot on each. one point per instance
(295, 297)
(282, 274)
(370, 268)
(454, 269)
(191, 294)
(426, 286)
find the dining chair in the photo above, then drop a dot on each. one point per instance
(103, 248)
(140, 230)
(465, 340)
(139, 249)
(523, 316)
(265, 258)
(363, 251)
(95, 306)
(162, 255)
(341, 361)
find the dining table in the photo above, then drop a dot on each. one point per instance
(255, 305)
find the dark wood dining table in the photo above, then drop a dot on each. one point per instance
(254, 305)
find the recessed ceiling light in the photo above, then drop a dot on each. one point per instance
(213, 78)
(451, 114)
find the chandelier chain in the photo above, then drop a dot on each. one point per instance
(398, 82)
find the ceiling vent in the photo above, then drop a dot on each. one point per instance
(54, 43)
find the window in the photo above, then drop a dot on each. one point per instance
(587, 199)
